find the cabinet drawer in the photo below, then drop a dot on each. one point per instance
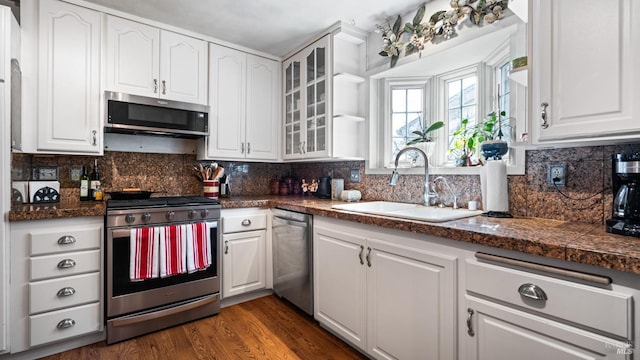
(50, 326)
(597, 308)
(53, 266)
(80, 238)
(238, 223)
(43, 295)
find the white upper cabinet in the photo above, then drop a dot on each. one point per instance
(323, 97)
(183, 68)
(243, 94)
(144, 60)
(68, 119)
(585, 82)
(133, 64)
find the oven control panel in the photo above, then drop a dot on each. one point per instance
(161, 216)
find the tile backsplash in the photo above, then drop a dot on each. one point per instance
(586, 198)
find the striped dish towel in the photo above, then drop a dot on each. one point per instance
(143, 254)
(198, 247)
(173, 242)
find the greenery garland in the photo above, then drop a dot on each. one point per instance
(440, 26)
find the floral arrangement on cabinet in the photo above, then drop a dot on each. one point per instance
(440, 26)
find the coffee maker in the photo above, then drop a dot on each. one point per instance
(625, 183)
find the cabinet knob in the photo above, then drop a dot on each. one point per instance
(164, 87)
(67, 239)
(368, 256)
(241, 148)
(95, 138)
(66, 323)
(155, 86)
(248, 148)
(532, 291)
(66, 291)
(360, 255)
(543, 115)
(246, 222)
(226, 247)
(470, 313)
(66, 263)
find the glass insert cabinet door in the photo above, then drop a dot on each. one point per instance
(292, 121)
(316, 115)
(305, 101)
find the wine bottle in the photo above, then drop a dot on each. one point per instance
(84, 185)
(94, 184)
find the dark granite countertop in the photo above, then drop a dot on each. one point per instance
(577, 242)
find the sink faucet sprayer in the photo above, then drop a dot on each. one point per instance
(394, 175)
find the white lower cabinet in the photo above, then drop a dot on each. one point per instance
(504, 333)
(56, 280)
(243, 251)
(514, 314)
(391, 297)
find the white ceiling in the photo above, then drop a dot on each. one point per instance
(275, 27)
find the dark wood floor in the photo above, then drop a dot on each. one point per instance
(265, 328)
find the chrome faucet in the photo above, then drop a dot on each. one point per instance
(394, 175)
(449, 190)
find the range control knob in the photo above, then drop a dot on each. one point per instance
(192, 214)
(146, 217)
(170, 215)
(129, 218)
(204, 213)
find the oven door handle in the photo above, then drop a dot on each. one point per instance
(135, 319)
(120, 233)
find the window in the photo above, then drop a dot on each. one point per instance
(407, 111)
(406, 116)
(461, 102)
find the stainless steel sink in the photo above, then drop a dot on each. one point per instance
(408, 211)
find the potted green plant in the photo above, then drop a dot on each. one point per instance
(467, 138)
(424, 135)
(424, 139)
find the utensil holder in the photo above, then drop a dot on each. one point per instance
(211, 189)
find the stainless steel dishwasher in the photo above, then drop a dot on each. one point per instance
(292, 258)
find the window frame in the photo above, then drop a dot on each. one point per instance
(425, 83)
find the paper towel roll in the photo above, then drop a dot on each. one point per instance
(495, 189)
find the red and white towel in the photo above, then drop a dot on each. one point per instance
(143, 258)
(198, 247)
(173, 242)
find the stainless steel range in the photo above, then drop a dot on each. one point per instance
(137, 306)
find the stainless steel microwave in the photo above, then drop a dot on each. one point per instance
(132, 114)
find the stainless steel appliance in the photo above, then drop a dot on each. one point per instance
(625, 183)
(292, 258)
(131, 114)
(137, 307)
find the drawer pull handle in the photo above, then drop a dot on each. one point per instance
(246, 222)
(368, 256)
(66, 323)
(67, 239)
(66, 291)
(226, 247)
(470, 313)
(66, 263)
(360, 255)
(532, 291)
